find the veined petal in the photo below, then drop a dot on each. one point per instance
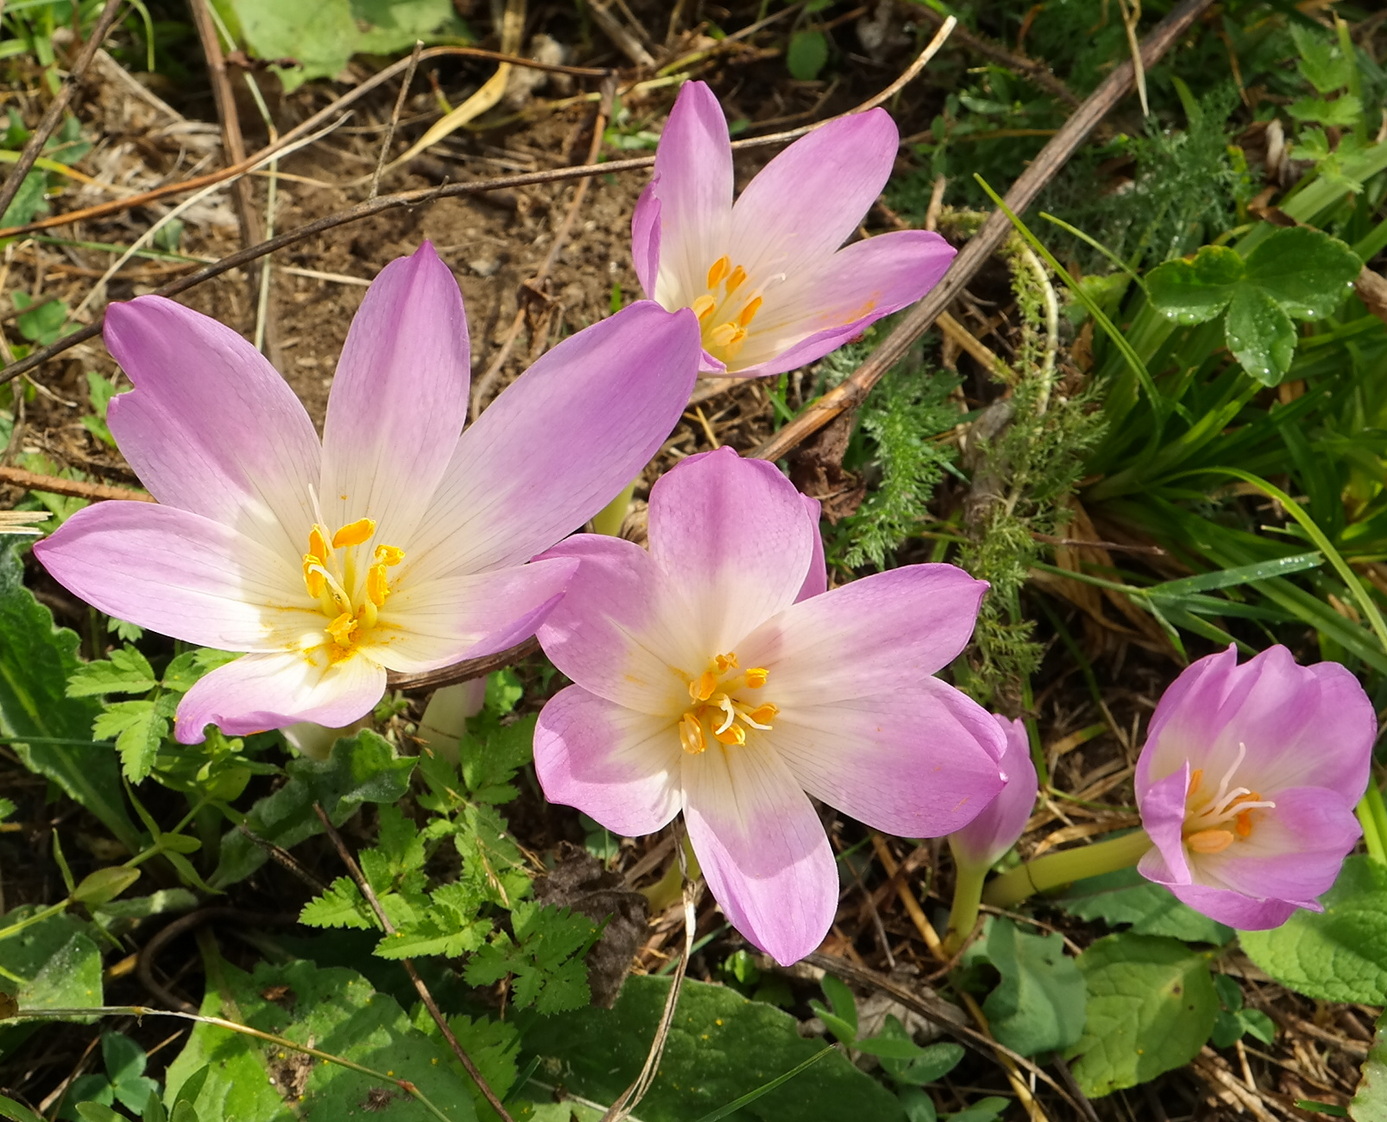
(561, 441)
(428, 624)
(645, 239)
(881, 633)
(919, 762)
(621, 632)
(399, 399)
(211, 427)
(994, 831)
(1162, 806)
(809, 316)
(180, 574)
(734, 536)
(816, 582)
(693, 183)
(805, 202)
(1246, 913)
(764, 854)
(269, 691)
(615, 765)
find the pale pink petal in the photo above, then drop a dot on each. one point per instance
(763, 851)
(994, 831)
(1162, 806)
(816, 583)
(399, 399)
(268, 691)
(180, 574)
(645, 239)
(885, 632)
(693, 183)
(807, 317)
(211, 427)
(734, 536)
(918, 762)
(561, 441)
(617, 766)
(621, 631)
(433, 623)
(1246, 913)
(805, 202)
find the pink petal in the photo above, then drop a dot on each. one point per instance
(806, 201)
(919, 762)
(1246, 913)
(693, 183)
(399, 399)
(433, 623)
(645, 239)
(764, 854)
(852, 290)
(734, 536)
(210, 426)
(180, 574)
(269, 691)
(884, 632)
(561, 441)
(615, 765)
(1162, 806)
(994, 831)
(816, 583)
(621, 631)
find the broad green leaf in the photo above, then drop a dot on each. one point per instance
(1304, 270)
(331, 1009)
(57, 958)
(1125, 896)
(1196, 289)
(1039, 1005)
(1370, 1099)
(1151, 1007)
(806, 54)
(1339, 954)
(36, 660)
(1260, 335)
(721, 1046)
(17, 1112)
(104, 885)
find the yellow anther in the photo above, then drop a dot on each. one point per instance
(317, 543)
(1242, 823)
(691, 734)
(721, 267)
(736, 280)
(354, 533)
(389, 555)
(703, 307)
(734, 736)
(1196, 778)
(702, 687)
(377, 584)
(1210, 841)
(727, 335)
(726, 662)
(342, 628)
(748, 313)
(762, 716)
(313, 575)
(757, 677)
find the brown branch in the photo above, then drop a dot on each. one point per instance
(463, 671)
(54, 114)
(986, 241)
(77, 488)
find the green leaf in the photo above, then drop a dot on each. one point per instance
(1339, 954)
(1196, 289)
(104, 885)
(123, 671)
(57, 958)
(125, 1063)
(333, 1009)
(1304, 270)
(806, 54)
(494, 1046)
(1127, 897)
(95, 1112)
(1039, 1005)
(36, 660)
(17, 1112)
(1151, 1007)
(138, 728)
(721, 1046)
(544, 959)
(1339, 112)
(1321, 63)
(1370, 1099)
(1260, 335)
(342, 905)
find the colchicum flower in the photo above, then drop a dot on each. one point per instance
(392, 544)
(714, 675)
(1248, 781)
(987, 838)
(765, 276)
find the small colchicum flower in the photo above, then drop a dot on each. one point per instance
(1248, 781)
(771, 289)
(392, 544)
(982, 842)
(715, 675)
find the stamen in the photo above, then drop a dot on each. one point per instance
(691, 734)
(736, 280)
(724, 703)
(1196, 778)
(353, 533)
(757, 677)
(702, 687)
(734, 737)
(703, 307)
(726, 662)
(312, 575)
(721, 267)
(317, 543)
(389, 554)
(342, 628)
(727, 335)
(1210, 841)
(748, 313)
(761, 717)
(377, 584)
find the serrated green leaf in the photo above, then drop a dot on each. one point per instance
(1151, 1007)
(721, 1046)
(122, 671)
(1370, 1099)
(1039, 1005)
(1260, 335)
(544, 960)
(342, 905)
(494, 1046)
(138, 728)
(806, 54)
(1340, 112)
(1125, 896)
(1339, 954)
(1321, 62)
(1196, 289)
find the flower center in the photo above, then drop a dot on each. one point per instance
(348, 597)
(723, 316)
(719, 708)
(1215, 821)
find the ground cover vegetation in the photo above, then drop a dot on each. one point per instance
(1148, 411)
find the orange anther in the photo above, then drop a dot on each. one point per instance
(763, 714)
(1196, 778)
(1242, 823)
(757, 677)
(691, 734)
(377, 584)
(389, 555)
(720, 268)
(736, 280)
(317, 543)
(313, 575)
(726, 662)
(354, 533)
(748, 313)
(342, 629)
(734, 736)
(702, 687)
(1209, 841)
(703, 307)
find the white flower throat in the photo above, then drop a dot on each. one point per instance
(349, 594)
(1215, 821)
(720, 707)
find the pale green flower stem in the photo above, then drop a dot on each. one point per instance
(963, 915)
(1056, 869)
(608, 520)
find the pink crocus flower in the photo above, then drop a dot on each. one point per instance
(1248, 781)
(983, 841)
(392, 544)
(714, 675)
(765, 276)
